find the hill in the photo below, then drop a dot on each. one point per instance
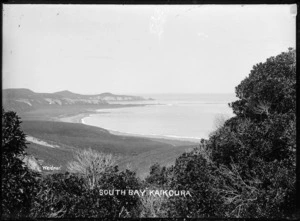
(54, 143)
(24, 100)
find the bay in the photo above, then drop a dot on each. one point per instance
(174, 116)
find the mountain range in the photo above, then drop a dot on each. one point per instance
(22, 100)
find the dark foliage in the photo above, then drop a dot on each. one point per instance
(57, 195)
(269, 89)
(18, 182)
(259, 144)
(119, 205)
(247, 166)
(68, 196)
(159, 176)
(26, 194)
(192, 173)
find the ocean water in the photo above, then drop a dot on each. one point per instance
(177, 116)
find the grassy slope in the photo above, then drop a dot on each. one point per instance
(139, 153)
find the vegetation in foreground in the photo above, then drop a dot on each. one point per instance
(246, 169)
(140, 153)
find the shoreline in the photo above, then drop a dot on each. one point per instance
(79, 118)
(156, 137)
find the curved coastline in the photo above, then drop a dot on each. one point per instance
(79, 118)
(155, 136)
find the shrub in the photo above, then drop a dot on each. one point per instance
(152, 206)
(255, 152)
(68, 196)
(58, 195)
(159, 176)
(121, 205)
(270, 88)
(192, 173)
(246, 169)
(18, 182)
(91, 164)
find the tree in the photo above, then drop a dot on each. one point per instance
(258, 145)
(192, 173)
(270, 88)
(91, 164)
(246, 169)
(18, 182)
(58, 195)
(158, 175)
(266, 115)
(123, 206)
(159, 179)
(67, 196)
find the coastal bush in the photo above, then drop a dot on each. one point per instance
(153, 206)
(192, 173)
(258, 145)
(17, 181)
(68, 196)
(246, 169)
(269, 89)
(124, 206)
(91, 164)
(58, 195)
(159, 176)
(269, 193)
(26, 194)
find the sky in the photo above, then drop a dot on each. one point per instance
(136, 49)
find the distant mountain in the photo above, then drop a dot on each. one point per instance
(67, 93)
(23, 100)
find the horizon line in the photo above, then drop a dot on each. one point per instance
(137, 93)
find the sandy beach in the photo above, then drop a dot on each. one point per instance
(78, 118)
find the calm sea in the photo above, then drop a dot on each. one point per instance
(177, 116)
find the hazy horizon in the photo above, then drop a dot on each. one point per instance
(140, 49)
(145, 94)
